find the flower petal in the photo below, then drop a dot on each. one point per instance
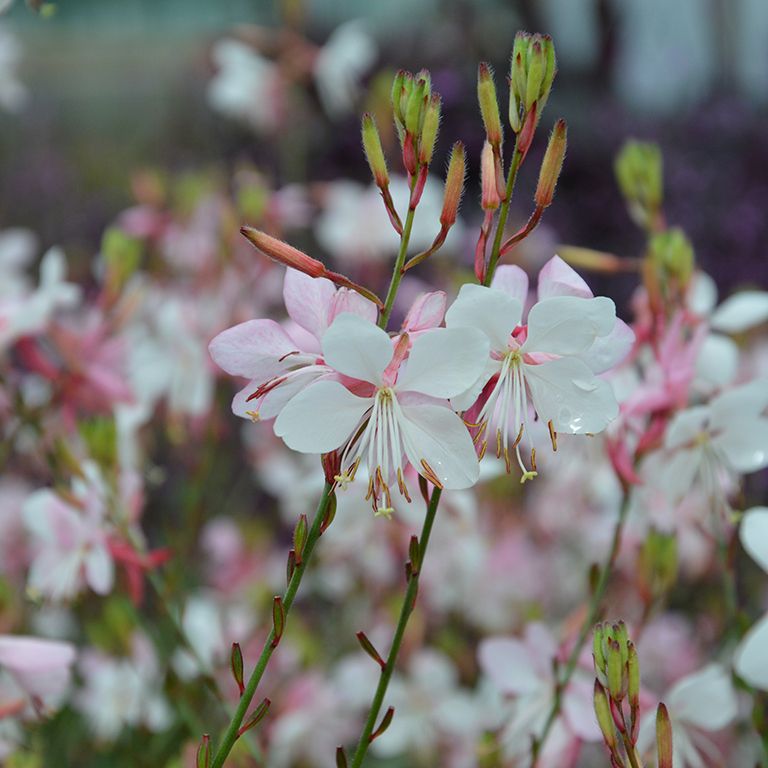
(718, 360)
(427, 312)
(512, 280)
(741, 312)
(608, 351)
(751, 662)
(493, 312)
(568, 325)
(445, 362)
(507, 662)
(254, 349)
(357, 348)
(559, 279)
(705, 699)
(437, 435)
(753, 533)
(307, 300)
(321, 417)
(565, 392)
(347, 300)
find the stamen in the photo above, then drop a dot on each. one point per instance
(506, 459)
(344, 479)
(384, 512)
(519, 436)
(552, 436)
(430, 474)
(533, 460)
(402, 486)
(288, 354)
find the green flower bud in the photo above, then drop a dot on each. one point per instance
(374, 153)
(429, 129)
(663, 737)
(537, 64)
(417, 102)
(489, 105)
(551, 165)
(615, 671)
(671, 253)
(604, 717)
(633, 669)
(639, 172)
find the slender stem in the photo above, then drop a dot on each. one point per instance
(398, 272)
(397, 639)
(586, 627)
(250, 689)
(503, 212)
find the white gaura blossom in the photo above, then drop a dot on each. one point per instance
(552, 360)
(390, 409)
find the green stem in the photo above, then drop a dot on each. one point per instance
(586, 627)
(398, 272)
(250, 689)
(503, 213)
(397, 640)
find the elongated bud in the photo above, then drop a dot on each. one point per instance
(414, 554)
(236, 665)
(341, 758)
(300, 537)
(489, 104)
(549, 72)
(604, 717)
(370, 650)
(374, 153)
(551, 165)
(256, 717)
(671, 253)
(615, 671)
(417, 101)
(518, 73)
(454, 186)
(429, 130)
(639, 172)
(398, 87)
(537, 65)
(490, 199)
(283, 253)
(330, 513)
(385, 723)
(278, 620)
(598, 654)
(633, 668)
(204, 752)
(657, 564)
(663, 737)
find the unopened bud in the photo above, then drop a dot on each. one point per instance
(633, 669)
(373, 152)
(549, 72)
(615, 671)
(518, 74)
(204, 752)
(552, 165)
(417, 102)
(671, 252)
(429, 129)
(598, 653)
(639, 172)
(657, 564)
(537, 65)
(663, 737)
(454, 186)
(398, 89)
(604, 717)
(489, 105)
(283, 253)
(490, 199)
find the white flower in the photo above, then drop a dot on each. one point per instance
(397, 413)
(751, 661)
(552, 360)
(703, 701)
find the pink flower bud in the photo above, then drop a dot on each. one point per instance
(551, 166)
(454, 186)
(490, 199)
(283, 253)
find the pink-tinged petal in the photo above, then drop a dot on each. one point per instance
(559, 279)
(254, 349)
(40, 667)
(718, 360)
(753, 533)
(493, 312)
(357, 348)
(608, 351)
(565, 392)
(437, 435)
(701, 296)
(507, 663)
(99, 570)
(307, 300)
(512, 280)
(347, 300)
(274, 401)
(321, 417)
(686, 426)
(751, 662)
(445, 362)
(741, 312)
(427, 312)
(568, 325)
(705, 699)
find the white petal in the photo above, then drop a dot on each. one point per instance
(686, 426)
(358, 348)
(701, 296)
(745, 402)
(253, 349)
(495, 313)
(741, 312)
(753, 533)
(438, 436)
(559, 279)
(705, 699)
(678, 473)
(717, 360)
(745, 444)
(508, 664)
(567, 393)
(307, 300)
(751, 662)
(99, 570)
(320, 418)
(445, 362)
(608, 351)
(512, 280)
(568, 325)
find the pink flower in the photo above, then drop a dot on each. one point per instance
(40, 667)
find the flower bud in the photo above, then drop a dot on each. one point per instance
(489, 105)
(604, 717)
(615, 671)
(373, 152)
(454, 186)
(639, 172)
(551, 165)
(204, 752)
(657, 564)
(417, 102)
(518, 74)
(549, 71)
(490, 199)
(398, 91)
(283, 253)
(537, 64)
(671, 254)
(429, 129)
(663, 737)
(633, 674)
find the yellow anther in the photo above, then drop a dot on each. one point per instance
(254, 415)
